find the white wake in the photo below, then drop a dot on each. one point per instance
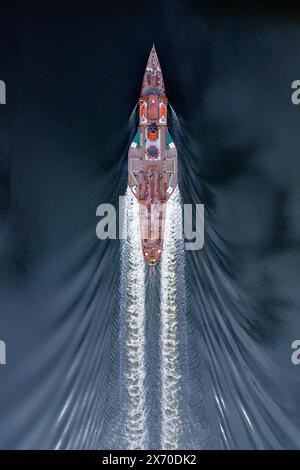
(135, 427)
(170, 376)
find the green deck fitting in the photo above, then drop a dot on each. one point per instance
(137, 138)
(169, 138)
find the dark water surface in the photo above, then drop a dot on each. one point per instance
(73, 75)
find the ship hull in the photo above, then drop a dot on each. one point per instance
(152, 161)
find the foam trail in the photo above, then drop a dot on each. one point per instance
(135, 427)
(170, 376)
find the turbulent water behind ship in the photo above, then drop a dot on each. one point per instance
(150, 311)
